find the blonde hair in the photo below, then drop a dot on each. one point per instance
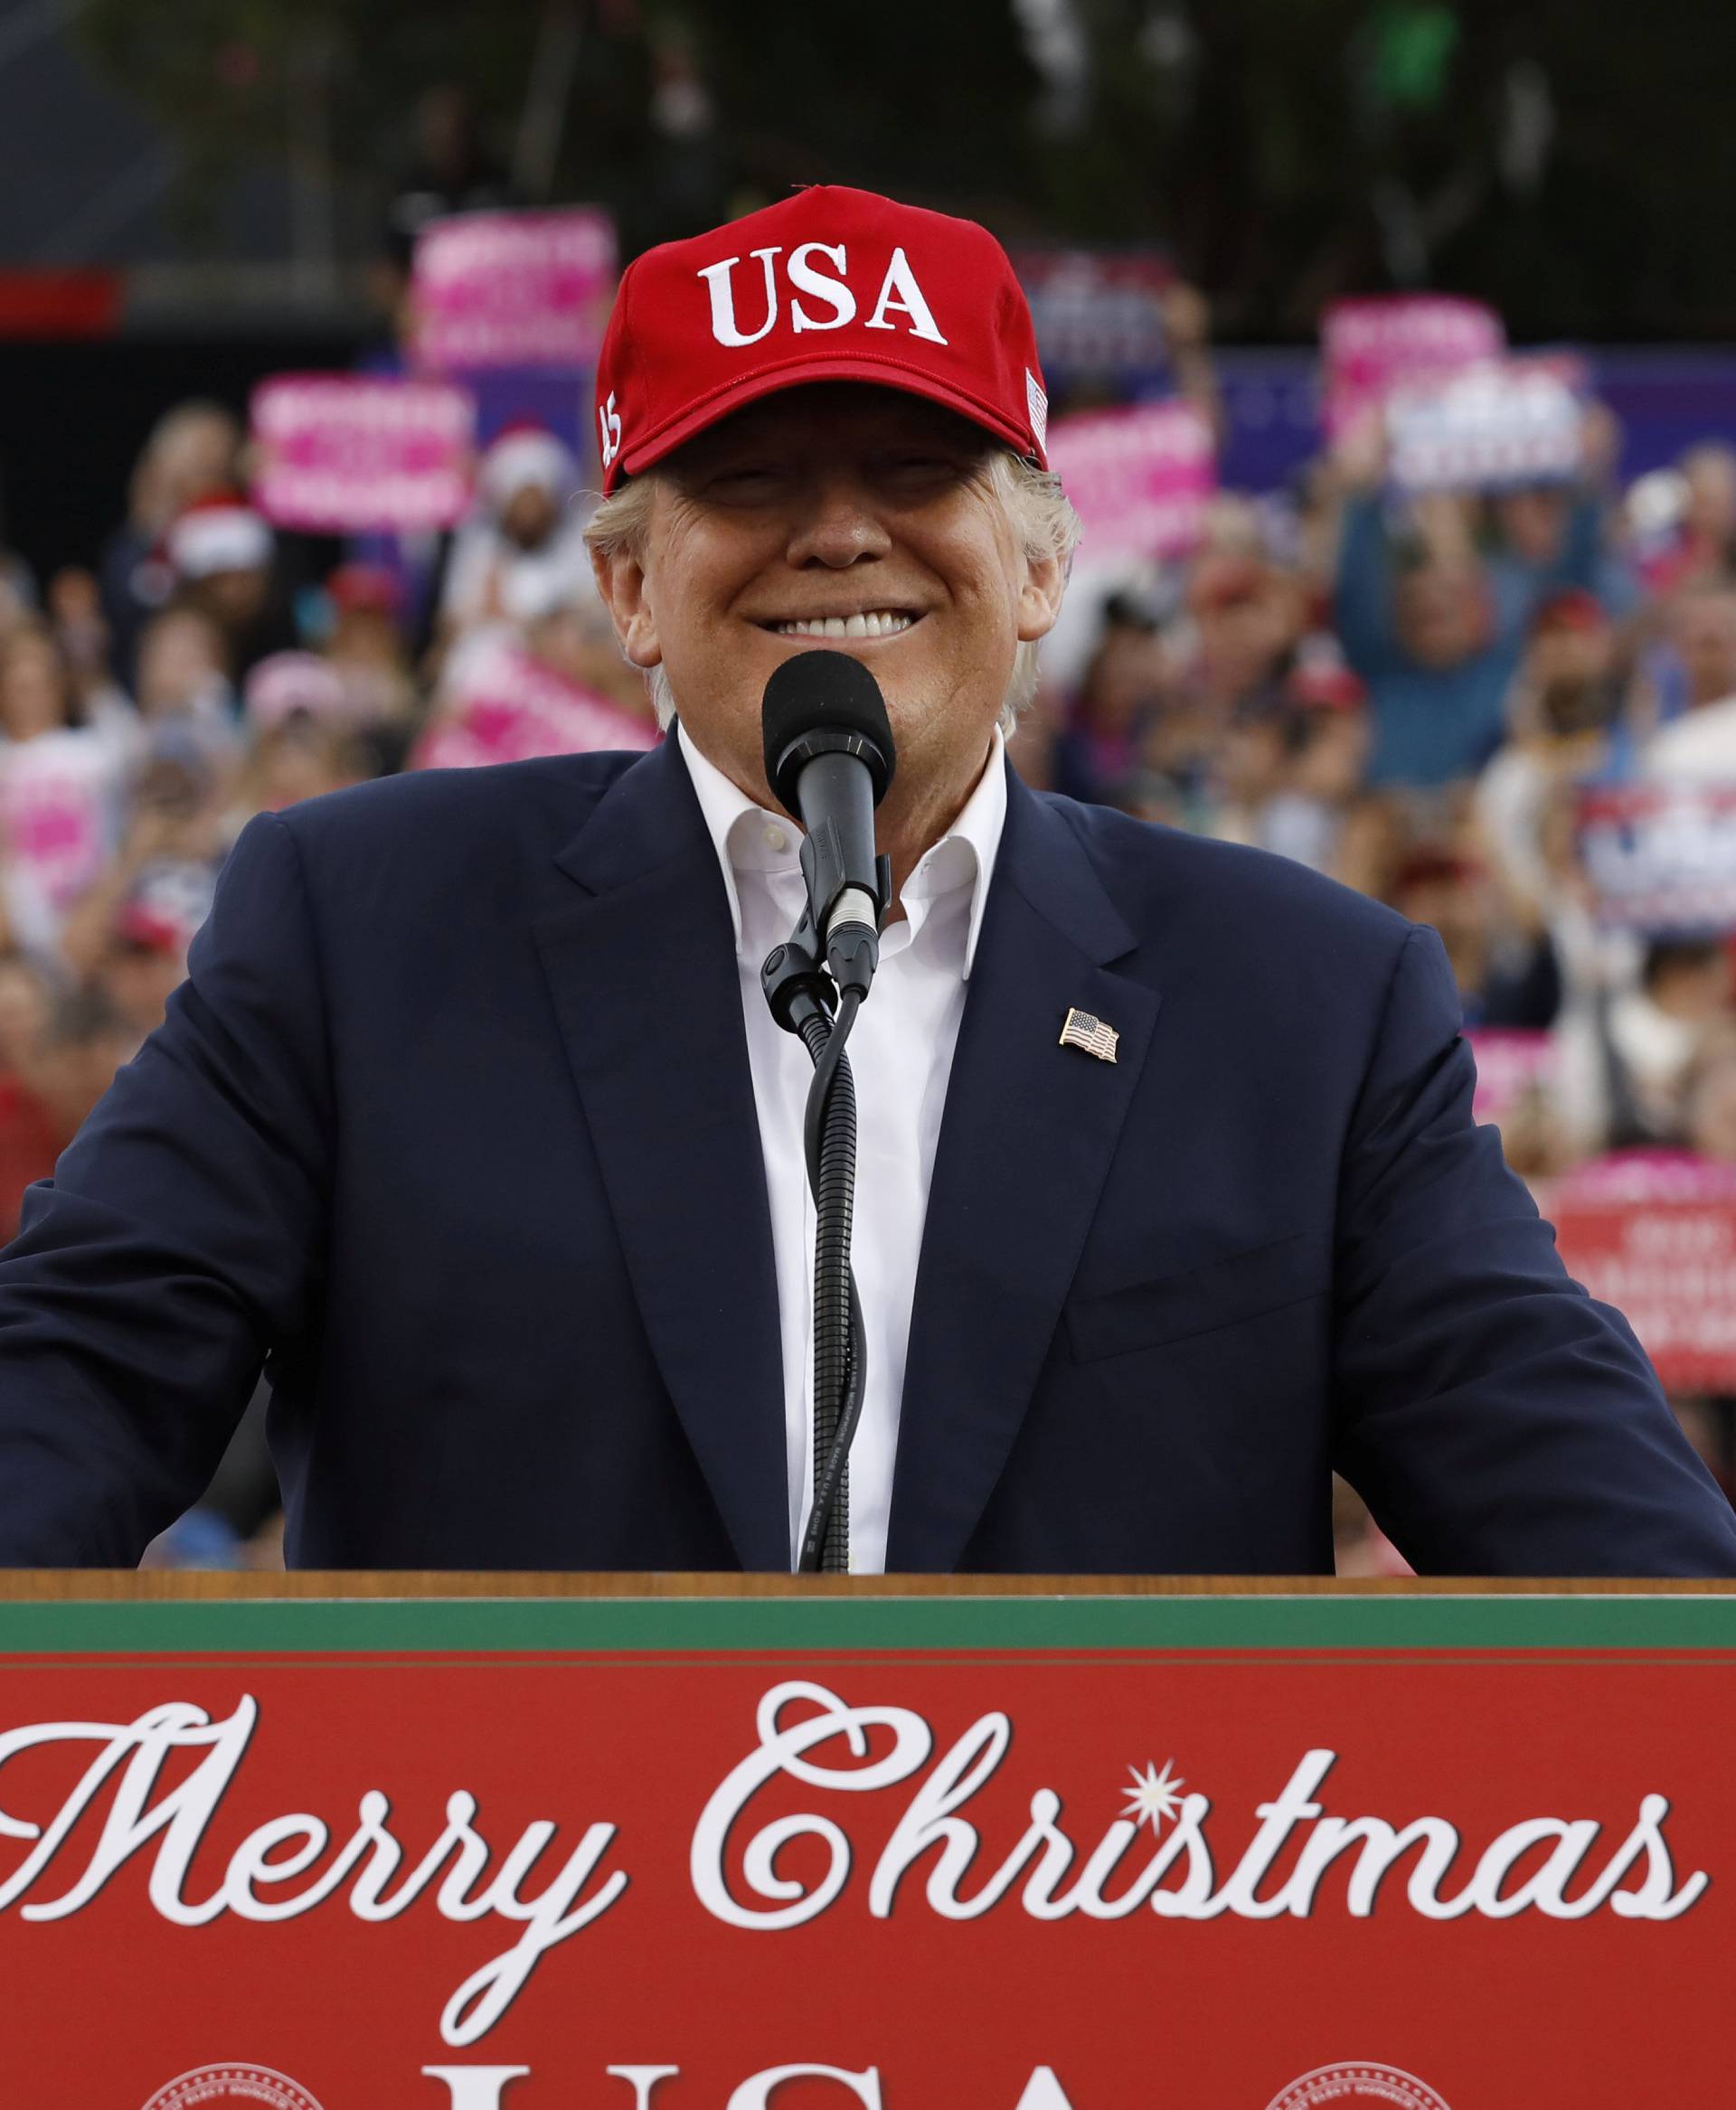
(1045, 521)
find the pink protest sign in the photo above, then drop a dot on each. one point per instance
(1373, 346)
(513, 288)
(56, 812)
(1140, 479)
(505, 706)
(344, 454)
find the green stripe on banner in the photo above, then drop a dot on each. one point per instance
(695, 1624)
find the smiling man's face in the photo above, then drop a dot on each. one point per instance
(851, 518)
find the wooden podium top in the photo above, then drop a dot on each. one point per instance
(69, 1585)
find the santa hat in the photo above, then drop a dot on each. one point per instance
(526, 457)
(220, 533)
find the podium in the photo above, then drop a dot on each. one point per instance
(756, 1842)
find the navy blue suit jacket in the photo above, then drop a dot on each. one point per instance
(452, 1128)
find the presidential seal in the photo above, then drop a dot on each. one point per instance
(1357, 2081)
(232, 2086)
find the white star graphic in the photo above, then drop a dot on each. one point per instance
(1156, 1796)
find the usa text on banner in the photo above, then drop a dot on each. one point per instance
(1140, 479)
(1499, 422)
(513, 288)
(347, 454)
(1098, 311)
(1661, 856)
(319, 1839)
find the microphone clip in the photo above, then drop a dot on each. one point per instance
(797, 988)
(853, 921)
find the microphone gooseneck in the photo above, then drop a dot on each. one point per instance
(829, 758)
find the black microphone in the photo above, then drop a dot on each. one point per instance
(829, 759)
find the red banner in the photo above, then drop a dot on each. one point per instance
(1670, 1267)
(711, 1875)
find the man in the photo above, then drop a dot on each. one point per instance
(469, 1116)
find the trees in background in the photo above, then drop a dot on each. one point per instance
(1560, 161)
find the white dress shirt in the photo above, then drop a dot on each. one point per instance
(900, 1054)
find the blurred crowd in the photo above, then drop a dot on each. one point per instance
(1407, 695)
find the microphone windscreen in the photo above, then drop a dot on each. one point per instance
(823, 692)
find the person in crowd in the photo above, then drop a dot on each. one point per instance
(521, 554)
(1624, 1056)
(1697, 743)
(61, 1076)
(176, 840)
(1325, 723)
(1565, 715)
(300, 749)
(74, 609)
(1693, 666)
(366, 647)
(1434, 624)
(183, 669)
(61, 785)
(1113, 716)
(222, 549)
(194, 451)
(1702, 549)
(1709, 1098)
(1505, 977)
(143, 964)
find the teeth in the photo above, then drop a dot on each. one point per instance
(875, 622)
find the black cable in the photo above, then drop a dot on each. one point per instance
(840, 1349)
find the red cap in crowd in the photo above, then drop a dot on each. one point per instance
(363, 590)
(1575, 607)
(829, 285)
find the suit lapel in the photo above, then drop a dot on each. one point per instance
(641, 967)
(1025, 1145)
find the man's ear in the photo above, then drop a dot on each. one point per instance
(1045, 581)
(620, 580)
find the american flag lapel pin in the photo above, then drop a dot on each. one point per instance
(1082, 1031)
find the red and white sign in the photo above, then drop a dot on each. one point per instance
(347, 454)
(622, 1880)
(1661, 856)
(1371, 346)
(1140, 479)
(505, 706)
(1653, 1233)
(513, 288)
(1500, 422)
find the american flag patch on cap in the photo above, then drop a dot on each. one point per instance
(1082, 1031)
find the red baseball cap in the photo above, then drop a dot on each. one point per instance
(829, 285)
